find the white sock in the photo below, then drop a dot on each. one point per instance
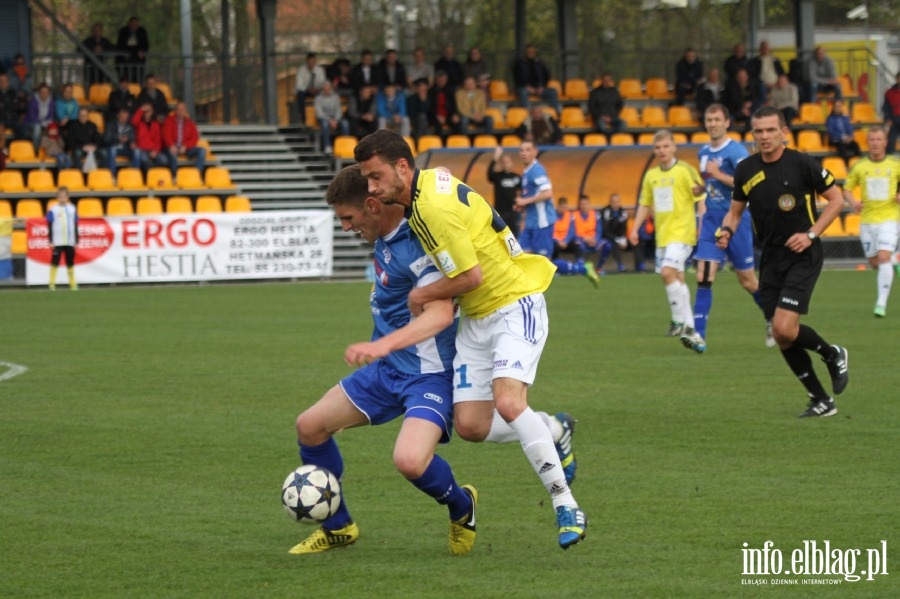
(502, 432)
(885, 280)
(687, 309)
(538, 447)
(673, 292)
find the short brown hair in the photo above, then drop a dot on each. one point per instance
(348, 188)
(388, 144)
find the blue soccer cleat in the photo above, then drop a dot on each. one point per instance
(572, 524)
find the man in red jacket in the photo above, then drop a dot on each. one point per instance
(891, 110)
(180, 137)
(148, 134)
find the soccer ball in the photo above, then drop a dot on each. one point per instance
(311, 492)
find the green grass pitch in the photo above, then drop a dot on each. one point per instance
(142, 453)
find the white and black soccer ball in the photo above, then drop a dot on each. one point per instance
(311, 492)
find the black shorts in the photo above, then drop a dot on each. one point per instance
(67, 250)
(787, 279)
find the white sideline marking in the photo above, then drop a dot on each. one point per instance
(13, 370)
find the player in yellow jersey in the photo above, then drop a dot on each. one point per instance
(877, 177)
(504, 323)
(668, 190)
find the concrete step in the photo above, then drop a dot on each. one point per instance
(269, 148)
(256, 157)
(287, 175)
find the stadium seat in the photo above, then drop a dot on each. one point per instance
(458, 141)
(29, 209)
(96, 117)
(573, 117)
(218, 177)
(89, 208)
(700, 137)
(555, 84)
(78, 94)
(811, 114)
(119, 207)
(789, 140)
(500, 91)
(311, 119)
(835, 229)
(680, 138)
(98, 93)
(179, 205)
(680, 116)
(429, 142)
(630, 89)
(485, 141)
(41, 181)
(862, 138)
(204, 143)
(654, 116)
(658, 89)
(188, 177)
(101, 180)
(851, 225)
(515, 116)
(631, 117)
(735, 135)
(510, 141)
(846, 86)
(621, 139)
(863, 112)
(21, 150)
(11, 181)
(810, 141)
(595, 139)
(343, 146)
(576, 89)
(72, 178)
(209, 204)
(19, 242)
(237, 204)
(835, 166)
(571, 140)
(166, 91)
(5, 209)
(130, 179)
(549, 110)
(149, 207)
(134, 89)
(645, 139)
(159, 178)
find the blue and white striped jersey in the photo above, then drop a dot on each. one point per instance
(718, 195)
(535, 180)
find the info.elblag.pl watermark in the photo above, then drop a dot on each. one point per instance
(814, 562)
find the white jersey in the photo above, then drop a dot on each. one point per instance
(62, 220)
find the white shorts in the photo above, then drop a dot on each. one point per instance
(880, 237)
(674, 255)
(505, 344)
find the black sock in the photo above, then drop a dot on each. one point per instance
(809, 339)
(801, 365)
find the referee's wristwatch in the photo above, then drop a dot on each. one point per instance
(812, 235)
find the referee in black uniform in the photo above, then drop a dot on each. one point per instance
(781, 187)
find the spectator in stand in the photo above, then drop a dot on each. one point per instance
(20, 78)
(133, 46)
(120, 98)
(742, 98)
(392, 110)
(472, 105)
(120, 141)
(362, 112)
(605, 104)
(734, 63)
(614, 228)
(391, 71)
(40, 113)
(688, 76)
(444, 113)
(10, 107)
(148, 138)
(840, 132)
(100, 47)
(540, 127)
(785, 97)
(822, 76)
(419, 69)
(54, 146)
(363, 74)
(180, 137)
(891, 110)
(448, 63)
(477, 68)
(711, 92)
(418, 108)
(330, 116)
(4, 152)
(765, 68)
(83, 138)
(66, 108)
(340, 77)
(309, 81)
(531, 77)
(507, 185)
(150, 94)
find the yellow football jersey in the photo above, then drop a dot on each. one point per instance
(878, 183)
(460, 230)
(670, 193)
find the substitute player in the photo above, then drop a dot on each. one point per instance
(877, 177)
(672, 189)
(504, 326)
(781, 185)
(407, 371)
(718, 159)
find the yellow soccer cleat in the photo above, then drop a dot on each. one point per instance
(323, 540)
(462, 531)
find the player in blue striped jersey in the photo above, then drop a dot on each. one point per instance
(536, 200)
(406, 370)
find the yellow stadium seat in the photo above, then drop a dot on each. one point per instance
(735, 135)
(11, 181)
(851, 225)
(863, 112)
(101, 180)
(658, 89)
(555, 84)
(179, 205)
(621, 139)
(654, 116)
(134, 89)
(130, 179)
(835, 166)
(458, 141)
(631, 117)
(630, 89)
(218, 177)
(515, 116)
(209, 204)
(576, 89)
(98, 93)
(645, 139)
(149, 206)
(573, 117)
(78, 94)
(5, 209)
(72, 178)
(680, 138)
(571, 140)
(680, 116)
(835, 229)
(595, 139)
(22, 150)
(188, 177)
(811, 114)
(550, 111)
(96, 117)
(429, 142)
(40, 180)
(510, 141)
(119, 207)
(90, 208)
(700, 137)
(311, 119)
(500, 91)
(237, 204)
(497, 116)
(846, 86)
(29, 209)
(343, 146)
(485, 141)
(166, 91)
(159, 178)
(204, 143)
(862, 138)
(810, 141)
(19, 242)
